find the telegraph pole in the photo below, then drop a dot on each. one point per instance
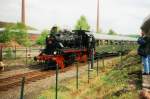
(97, 25)
(23, 12)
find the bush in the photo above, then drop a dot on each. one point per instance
(9, 54)
(15, 32)
(42, 38)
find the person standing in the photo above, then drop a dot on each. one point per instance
(141, 51)
(147, 50)
(144, 46)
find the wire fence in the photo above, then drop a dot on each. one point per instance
(24, 56)
(18, 56)
(91, 74)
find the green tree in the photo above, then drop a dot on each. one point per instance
(112, 32)
(82, 24)
(15, 32)
(41, 39)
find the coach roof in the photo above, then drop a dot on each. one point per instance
(113, 37)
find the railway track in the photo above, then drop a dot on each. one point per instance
(15, 80)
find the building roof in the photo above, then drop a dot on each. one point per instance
(34, 32)
(4, 24)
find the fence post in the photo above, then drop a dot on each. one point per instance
(26, 56)
(29, 55)
(15, 55)
(103, 63)
(77, 75)
(22, 88)
(92, 58)
(121, 54)
(121, 58)
(88, 71)
(15, 52)
(1, 53)
(97, 66)
(112, 63)
(56, 89)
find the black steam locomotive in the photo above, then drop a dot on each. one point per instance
(78, 39)
(65, 47)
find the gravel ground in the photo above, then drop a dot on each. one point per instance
(33, 89)
(14, 72)
(19, 70)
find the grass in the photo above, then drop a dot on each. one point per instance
(111, 83)
(114, 48)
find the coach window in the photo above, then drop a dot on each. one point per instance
(100, 42)
(116, 42)
(111, 42)
(97, 42)
(106, 42)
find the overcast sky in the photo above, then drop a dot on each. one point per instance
(123, 16)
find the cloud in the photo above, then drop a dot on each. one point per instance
(10, 10)
(124, 16)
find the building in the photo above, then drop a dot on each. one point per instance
(33, 34)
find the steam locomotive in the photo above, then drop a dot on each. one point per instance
(65, 47)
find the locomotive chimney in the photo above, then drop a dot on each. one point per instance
(97, 24)
(23, 12)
